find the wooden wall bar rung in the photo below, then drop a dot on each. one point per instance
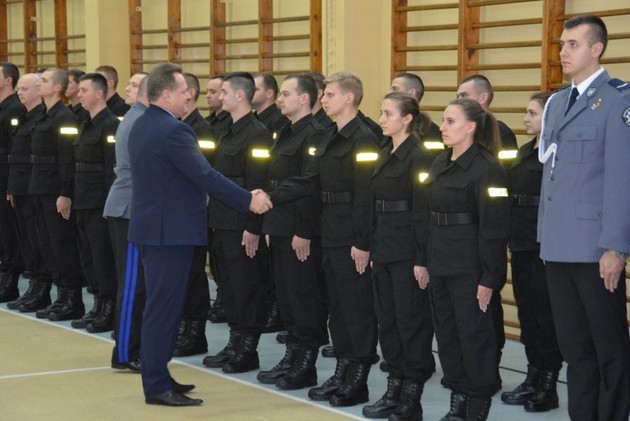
(12, 41)
(284, 20)
(76, 51)
(481, 3)
(150, 31)
(600, 13)
(193, 45)
(513, 44)
(238, 40)
(430, 28)
(429, 48)
(619, 35)
(237, 56)
(191, 29)
(502, 23)
(428, 68)
(289, 72)
(153, 47)
(44, 53)
(504, 66)
(289, 37)
(237, 23)
(426, 7)
(286, 55)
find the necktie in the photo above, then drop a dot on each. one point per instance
(572, 98)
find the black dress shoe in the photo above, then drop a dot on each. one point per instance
(172, 398)
(134, 366)
(181, 388)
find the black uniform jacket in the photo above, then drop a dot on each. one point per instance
(20, 155)
(475, 183)
(398, 182)
(10, 109)
(374, 126)
(53, 153)
(525, 176)
(293, 150)
(95, 157)
(242, 155)
(341, 171)
(273, 120)
(117, 105)
(322, 118)
(206, 136)
(220, 122)
(80, 112)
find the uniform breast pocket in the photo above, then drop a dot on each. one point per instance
(290, 159)
(228, 162)
(581, 145)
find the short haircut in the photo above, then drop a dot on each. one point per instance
(305, 85)
(109, 72)
(99, 83)
(10, 70)
(348, 82)
(192, 83)
(481, 85)
(75, 74)
(59, 77)
(269, 82)
(242, 81)
(597, 29)
(319, 80)
(219, 76)
(142, 87)
(413, 82)
(162, 77)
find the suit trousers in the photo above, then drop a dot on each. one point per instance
(299, 292)
(593, 337)
(352, 321)
(198, 297)
(538, 334)
(405, 328)
(131, 293)
(243, 287)
(97, 255)
(466, 336)
(58, 242)
(27, 238)
(166, 270)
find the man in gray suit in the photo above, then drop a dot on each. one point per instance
(584, 224)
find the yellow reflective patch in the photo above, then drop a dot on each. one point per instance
(15, 122)
(121, 118)
(260, 153)
(68, 130)
(110, 139)
(422, 177)
(497, 192)
(274, 136)
(366, 156)
(312, 151)
(206, 144)
(508, 154)
(433, 145)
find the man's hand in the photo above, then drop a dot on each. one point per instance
(64, 204)
(250, 241)
(361, 259)
(422, 276)
(302, 247)
(610, 267)
(10, 199)
(484, 294)
(260, 203)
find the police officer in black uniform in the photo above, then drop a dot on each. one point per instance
(320, 114)
(264, 104)
(51, 184)
(72, 94)
(115, 103)
(243, 156)
(341, 173)
(295, 241)
(94, 153)
(469, 208)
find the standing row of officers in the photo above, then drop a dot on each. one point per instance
(377, 233)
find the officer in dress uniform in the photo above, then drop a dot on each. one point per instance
(584, 223)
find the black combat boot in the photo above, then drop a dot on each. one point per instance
(218, 360)
(217, 312)
(386, 405)
(524, 391)
(181, 332)
(246, 357)
(39, 299)
(88, 317)
(195, 341)
(302, 373)
(459, 405)
(72, 307)
(546, 396)
(478, 409)
(410, 408)
(104, 320)
(9, 287)
(14, 305)
(274, 323)
(354, 389)
(330, 386)
(280, 369)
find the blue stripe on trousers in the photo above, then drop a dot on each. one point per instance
(124, 328)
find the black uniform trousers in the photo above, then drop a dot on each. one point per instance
(352, 322)
(299, 292)
(10, 259)
(405, 329)
(131, 293)
(466, 336)
(593, 337)
(58, 242)
(97, 255)
(28, 240)
(538, 333)
(243, 289)
(198, 299)
(166, 270)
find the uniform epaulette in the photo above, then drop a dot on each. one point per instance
(619, 84)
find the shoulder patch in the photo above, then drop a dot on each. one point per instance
(626, 116)
(619, 84)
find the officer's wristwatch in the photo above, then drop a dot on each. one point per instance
(619, 254)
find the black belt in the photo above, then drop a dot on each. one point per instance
(87, 167)
(523, 200)
(336, 197)
(19, 159)
(393, 205)
(239, 181)
(273, 184)
(36, 159)
(444, 219)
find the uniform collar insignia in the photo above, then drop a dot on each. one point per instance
(626, 116)
(591, 92)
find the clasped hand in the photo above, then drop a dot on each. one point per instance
(260, 203)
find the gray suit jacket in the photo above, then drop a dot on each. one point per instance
(585, 201)
(119, 197)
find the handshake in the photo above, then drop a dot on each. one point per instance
(260, 203)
